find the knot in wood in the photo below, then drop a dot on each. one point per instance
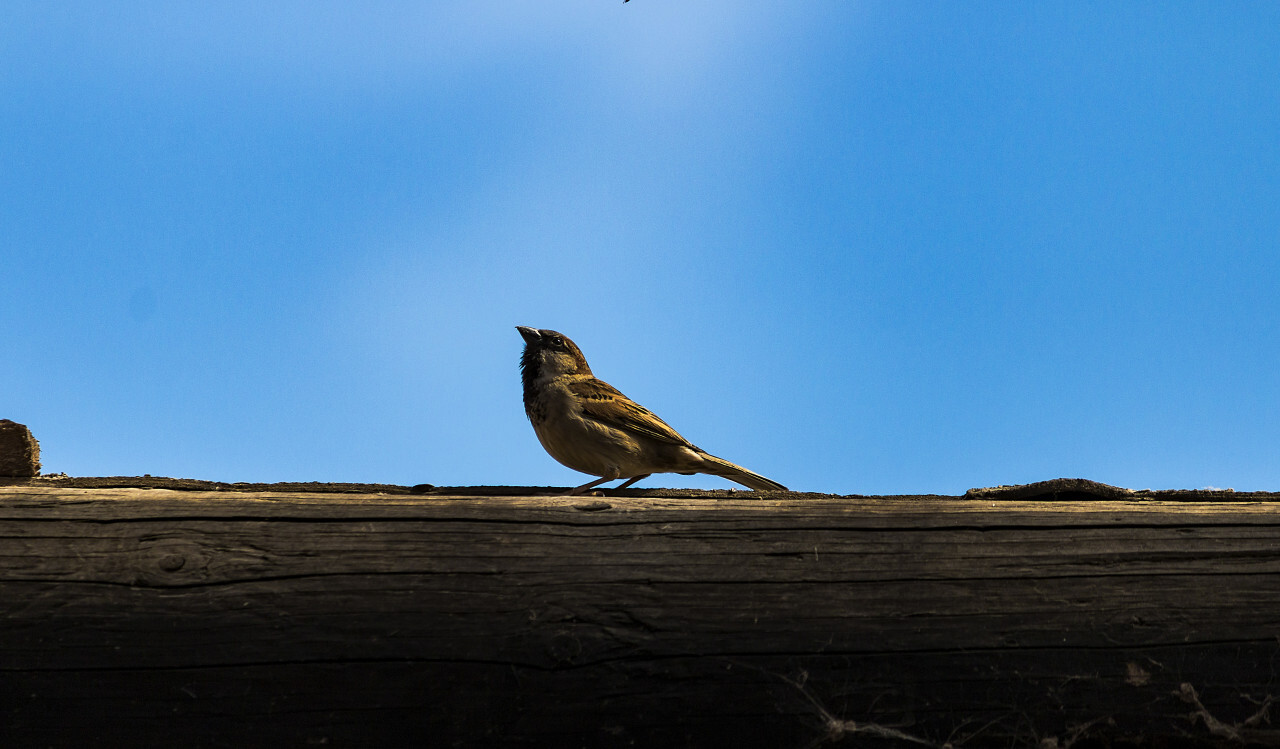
(564, 647)
(172, 562)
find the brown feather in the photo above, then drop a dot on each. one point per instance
(603, 402)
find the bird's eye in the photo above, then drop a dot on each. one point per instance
(556, 341)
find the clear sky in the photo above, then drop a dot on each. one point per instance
(858, 247)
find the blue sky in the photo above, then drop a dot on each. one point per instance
(858, 247)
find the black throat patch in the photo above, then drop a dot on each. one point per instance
(530, 371)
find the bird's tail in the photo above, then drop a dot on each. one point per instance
(724, 469)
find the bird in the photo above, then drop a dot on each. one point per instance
(590, 426)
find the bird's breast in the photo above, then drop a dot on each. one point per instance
(575, 439)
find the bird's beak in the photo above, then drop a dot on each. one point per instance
(530, 335)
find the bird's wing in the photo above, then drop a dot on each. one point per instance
(603, 402)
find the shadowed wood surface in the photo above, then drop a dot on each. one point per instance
(1009, 617)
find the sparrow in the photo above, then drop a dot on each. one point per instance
(588, 425)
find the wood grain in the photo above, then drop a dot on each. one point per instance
(213, 618)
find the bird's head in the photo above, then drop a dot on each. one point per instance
(549, 354)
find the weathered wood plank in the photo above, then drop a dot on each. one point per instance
(221, 618)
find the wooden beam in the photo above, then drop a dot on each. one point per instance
(222, 618)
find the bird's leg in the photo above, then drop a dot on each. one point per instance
(593, 484)
(632, 480)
